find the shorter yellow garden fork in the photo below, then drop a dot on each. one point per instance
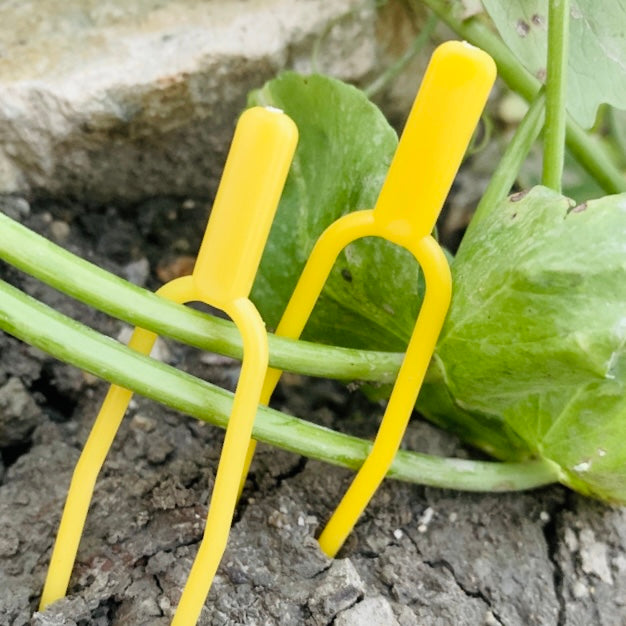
(245, 204)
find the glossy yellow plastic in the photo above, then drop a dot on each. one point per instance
(440, 125)
(251, 185)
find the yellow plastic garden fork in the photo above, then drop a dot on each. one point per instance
(440, 125)
(245, 204)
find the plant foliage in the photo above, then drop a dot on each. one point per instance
(597, 51)
(531, 362)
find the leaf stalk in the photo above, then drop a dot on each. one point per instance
(514, 156)
(556, 94)
(106, 292)
(70, 341)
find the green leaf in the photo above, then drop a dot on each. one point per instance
(534, 349)
(344, 151)
(597, 50)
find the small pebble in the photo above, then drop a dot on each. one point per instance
(580, 590)
(138, 271)
(571, 540)
(339, 588)
(512, 108)
(594, 556)
(143, 422)
(59, 230)
(89, 379)
(164, 604)
(425, 519)
(372, 611)
(175, 268)
(211, 358)
(490, 619)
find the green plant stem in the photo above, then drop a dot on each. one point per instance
(391, 72)
(69, 341)
(102, 290)
(515, 154)
(588, 151)
(556, 94)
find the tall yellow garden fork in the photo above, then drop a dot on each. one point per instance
(439, 128)
(244, 207)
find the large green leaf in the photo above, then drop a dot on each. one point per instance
(597, 50)
(345, 147)
(533, 350)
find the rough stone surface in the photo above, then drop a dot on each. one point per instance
(118, 100)
(591, 564)
(339, 589)
(19, 413)
(370, 611)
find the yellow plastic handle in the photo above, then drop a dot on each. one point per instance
(245, 204)
(438, 130)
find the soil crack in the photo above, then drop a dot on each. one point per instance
(157, 582)
(57, 403)
(292, 472)
(551, 536)
(11, 453)
(443, 564)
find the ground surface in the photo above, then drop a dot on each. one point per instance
(418, 556)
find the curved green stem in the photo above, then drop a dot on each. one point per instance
(102, 290)
(69, 341)
(509, 166)
(584, 147)
(556, 94)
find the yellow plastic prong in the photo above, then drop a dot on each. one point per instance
(446, 111)
(90, 462)
(231, 464)
(402, 399)
(253, 179)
